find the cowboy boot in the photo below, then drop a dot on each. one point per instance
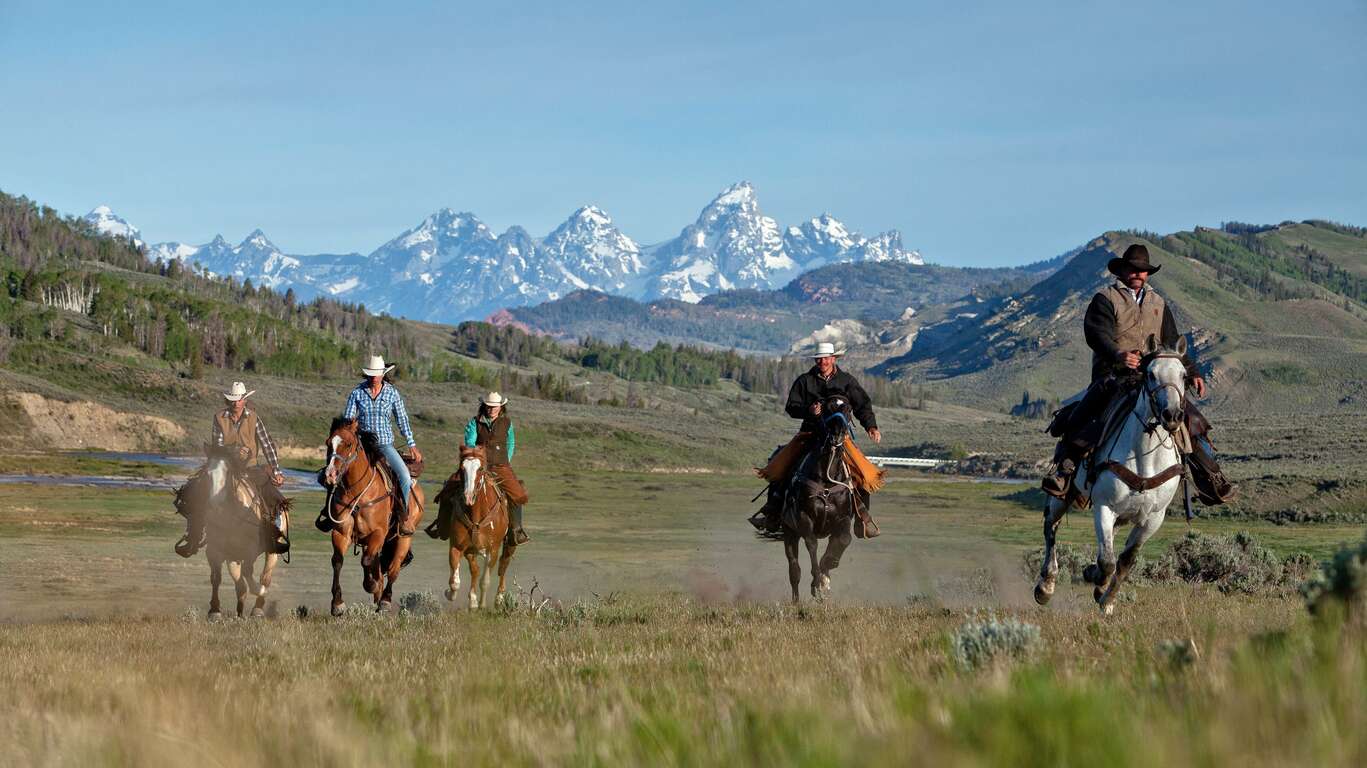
(1212, 487)
(1066, 458)
(193, 539)
(515, 513)
(441, 527)
(868, 527)
(769, 518)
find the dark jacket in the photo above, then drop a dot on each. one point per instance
(810, 388)
(496, 437)
(1099, 328)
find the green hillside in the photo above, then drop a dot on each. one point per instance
(1276, 322)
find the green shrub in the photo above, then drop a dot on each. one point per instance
(1341, 580)
(978, 643)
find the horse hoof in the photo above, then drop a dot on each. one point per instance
(215, 615)
(1043, 593)
(384, 607)
(338, 609)
(1107, 609)
(258, 613)
(1091, 574)
(450, 595)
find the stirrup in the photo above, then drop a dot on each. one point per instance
(184, 548)
(520, 537)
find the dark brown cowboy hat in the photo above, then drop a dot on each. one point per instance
(1136, 257)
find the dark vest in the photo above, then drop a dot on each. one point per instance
(493, 437)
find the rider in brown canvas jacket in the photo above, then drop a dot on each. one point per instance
(1119, 320)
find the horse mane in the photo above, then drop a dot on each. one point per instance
(476, 451)
(339, 422)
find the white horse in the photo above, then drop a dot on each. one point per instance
(1140, 469)
(236, 534)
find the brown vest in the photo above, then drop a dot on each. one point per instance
(493, 437)
(1133, 322)
(242, 433)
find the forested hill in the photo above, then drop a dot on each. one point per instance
(67, 284)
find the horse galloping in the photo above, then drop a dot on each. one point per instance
(1131, 478)
(235, 518)
(821, 502)
(361, 507)
(479, 526)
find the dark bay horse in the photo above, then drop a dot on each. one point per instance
(235, 523)
(820, 501)
(478, 512)
(361, 509)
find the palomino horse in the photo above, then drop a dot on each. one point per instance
(1139, 471)
(235, 524)
(360, 507)
(479, 527)
(820, 501)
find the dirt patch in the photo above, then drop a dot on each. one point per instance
(84, 425)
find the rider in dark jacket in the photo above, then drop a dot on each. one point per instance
(824, 380)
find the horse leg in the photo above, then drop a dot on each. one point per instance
(267, 572)
(401, 547)
(215, 578)
(505, 558)
(248, 581)
(339, 544)
(490, 563)
(794, 566)
(1054, 510)
(1140, 534)
(472, 557)
(811, 541)
(455, 553)
(835, 549)
(235, 573)
(370, 554)
(1101, 573)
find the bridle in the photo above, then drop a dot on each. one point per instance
(354, 505)
(1151, 393)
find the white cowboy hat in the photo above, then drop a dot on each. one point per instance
(826, 349)
(238, 391)
(494, 398)
(375, 366)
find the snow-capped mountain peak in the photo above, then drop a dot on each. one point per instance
(450, 266)
(106, 222)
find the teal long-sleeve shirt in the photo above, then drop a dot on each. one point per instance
(472, 436)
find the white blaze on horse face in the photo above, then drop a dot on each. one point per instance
(471, 469)
(218, 479)
(333, 445)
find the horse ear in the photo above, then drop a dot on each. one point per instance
(1150, 344)
(1181, 345)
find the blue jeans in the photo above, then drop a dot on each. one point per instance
(400, 469)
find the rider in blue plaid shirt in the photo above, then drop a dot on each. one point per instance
(373, 402)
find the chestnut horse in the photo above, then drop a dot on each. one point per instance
(361, 509)
(479, 525)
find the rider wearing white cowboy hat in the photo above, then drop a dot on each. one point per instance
(824, 380)
(492, 429)
(238, 425)
(373, 402)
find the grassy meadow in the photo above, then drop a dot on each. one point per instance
(658, 633)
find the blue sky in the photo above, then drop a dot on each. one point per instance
(989, 133)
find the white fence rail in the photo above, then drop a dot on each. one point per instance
(898, 461)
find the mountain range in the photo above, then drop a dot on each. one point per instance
(452, 267)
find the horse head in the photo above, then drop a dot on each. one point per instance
(343, 448)
(1165, 381)
(471, 465)
(835, 419)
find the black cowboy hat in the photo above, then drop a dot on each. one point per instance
(1136, 257)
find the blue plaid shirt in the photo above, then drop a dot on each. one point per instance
(374, 413)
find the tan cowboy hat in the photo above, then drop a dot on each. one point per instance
(375, 366)
(238, 391)
(1136, 257)
(494, 398)
(826, 349)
